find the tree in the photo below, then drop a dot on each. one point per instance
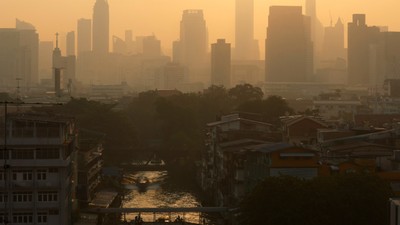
(271, 108)
(354, 199)
(245, 92)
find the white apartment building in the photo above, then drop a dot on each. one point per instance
(36, 169)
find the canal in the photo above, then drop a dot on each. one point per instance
(152, 189)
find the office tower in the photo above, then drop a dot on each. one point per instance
(119, 45)
(66, 65)
(174, 75)
(101, 27)
(84, 39)
(317, 29)
(289, 51)
(19, 56)
(130, 44)
(246, 48)
(45, 59)
(333, 45)
(151, 47)
(37, 181)
(70, 43)
(23, 25)
(192, 47)
(360, 39)
(221, 63)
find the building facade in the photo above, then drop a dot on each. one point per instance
(36, 184)
(289, 49)
(221, 63)
(101, 27)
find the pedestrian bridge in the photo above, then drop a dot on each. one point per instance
(159, 211)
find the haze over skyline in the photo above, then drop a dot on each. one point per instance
(161, 17)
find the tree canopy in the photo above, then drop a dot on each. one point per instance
(353, 199)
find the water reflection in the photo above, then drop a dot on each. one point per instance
(151, 189)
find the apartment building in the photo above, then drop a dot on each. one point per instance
(36, 161)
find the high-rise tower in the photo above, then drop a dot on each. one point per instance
(289, 51)
(246, 48)
(221, 63)
(191, 50)
(101, 27)
(361, 38)
(84, 39)
(317, 29)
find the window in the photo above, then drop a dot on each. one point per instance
(41, 174)
(4, 154)
(53, 212)
(3, 175)
(47, 130)
(22, 129)
(53, 170)
(47, 196)
(3, 197)
(2, 217)
(22, 217)
(42, 217)
(22, 154)
(22, 175)
(23, 196)
(50, 153)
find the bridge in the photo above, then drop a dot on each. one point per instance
(156, 211)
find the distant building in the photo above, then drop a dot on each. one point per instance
(360, 39)
(174, 75)
(84, 32)
(38, 186)
(101, 27)
(317, 30)
(151, 47)
(19, 57)
(45, 59)
(66, 65)
(246, 48)
(333, 46)
(70, 43)
(191, 50)
(221, 63)
(289, 49)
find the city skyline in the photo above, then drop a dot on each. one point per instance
(163, 21)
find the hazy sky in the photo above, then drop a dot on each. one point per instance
(161, 17)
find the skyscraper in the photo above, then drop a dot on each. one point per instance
(84, 39)
(101, 27)
(333, 45)
(19, 55)
(246, 48)
(45, 59)
(70, 43)
(289, 51)
(360, 39)
(221, 63)
(192, 47)
(317, 29)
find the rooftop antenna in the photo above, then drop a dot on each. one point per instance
(330, 15)
(57, 40)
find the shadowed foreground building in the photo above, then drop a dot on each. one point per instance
(36, 187)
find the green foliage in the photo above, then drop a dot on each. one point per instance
(120, 134)
(351, 199)
(245, 92)
(271, 108)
